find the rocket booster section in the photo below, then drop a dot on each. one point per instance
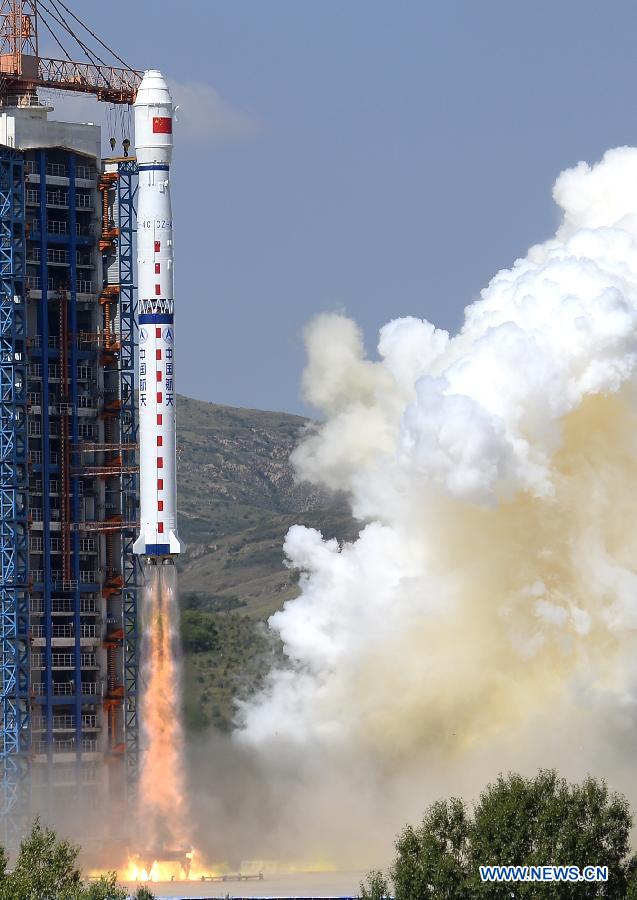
(158, 486)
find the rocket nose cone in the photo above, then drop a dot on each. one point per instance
(153, 90)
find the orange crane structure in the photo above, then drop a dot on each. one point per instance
(23, 70)
(68, 434)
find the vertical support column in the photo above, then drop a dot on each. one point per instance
(14, 547)
(75, 499)
(126, 194)
(43, 328)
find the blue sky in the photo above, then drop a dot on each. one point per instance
(382, 159)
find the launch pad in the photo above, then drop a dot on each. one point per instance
(154, 863)
(236, 876)
(298, 885)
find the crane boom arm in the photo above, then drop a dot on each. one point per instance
(107, 82)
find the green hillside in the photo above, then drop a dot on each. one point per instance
(237, 499)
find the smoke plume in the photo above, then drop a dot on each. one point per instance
(164, 815)
(485, 617)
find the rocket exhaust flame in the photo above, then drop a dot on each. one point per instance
(162, 785)
(164, 851)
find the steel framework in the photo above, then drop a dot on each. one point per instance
(18, 30)
(71, 350)
(68, 469)
(126, 194)
(57, 352)
(23, 70)
(14, 541)
(109, 83)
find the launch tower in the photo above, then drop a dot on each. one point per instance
(68, 478)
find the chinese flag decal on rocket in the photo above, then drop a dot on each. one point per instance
(162, 125)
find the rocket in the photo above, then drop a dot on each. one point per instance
(158, 540)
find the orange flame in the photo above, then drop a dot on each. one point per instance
(165, 870)
(165, 842)
(162, 786)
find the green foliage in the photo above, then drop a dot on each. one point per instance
(431, 860)
(46, 869)
(547, 820)
(195, 718)
(533, 821)
(213, 680)
(210, 602)
(198, 631)
(143, 893)
(517, 821)
(631, 879)
(375, 887)
(105, 888)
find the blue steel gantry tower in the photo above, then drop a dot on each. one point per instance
(68, 438)
(126, 195)
(14, 550)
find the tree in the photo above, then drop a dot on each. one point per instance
(631, 879)
(517, 821)
(547, 821)
(431, 859)
(143, 893)
(198, 631)
(46, 869)
(105, 888)
(375, 887)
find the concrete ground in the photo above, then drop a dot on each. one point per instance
(298, 884)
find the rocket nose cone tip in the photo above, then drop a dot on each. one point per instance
(153, 89)
(154, 77)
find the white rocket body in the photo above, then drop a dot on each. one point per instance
(156, 362)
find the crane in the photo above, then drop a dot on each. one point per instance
(23, 70)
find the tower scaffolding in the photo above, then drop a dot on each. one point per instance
(14, 550)
(127, 191)
(68, 431)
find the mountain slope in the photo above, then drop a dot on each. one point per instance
(237, 498)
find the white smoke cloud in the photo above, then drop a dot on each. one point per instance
(485, 617)
(204, 115)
